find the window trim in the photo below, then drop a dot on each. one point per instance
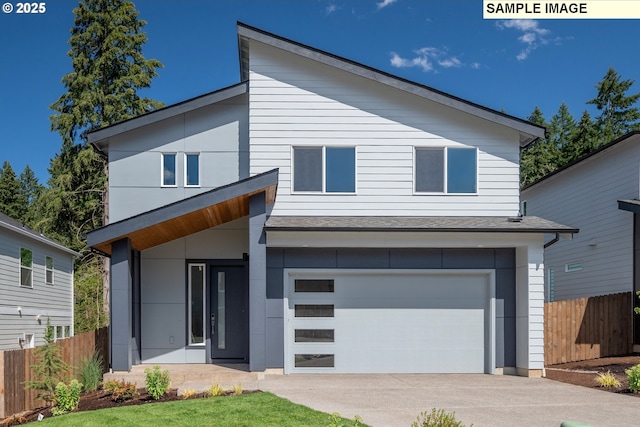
(32, 340)
(204, 304)
(572, 267)
(47, 270)
(175, 167)
(186, 182)
(324, 170)
(445, 171)
(20, 267)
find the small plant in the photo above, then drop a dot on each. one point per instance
(215, 390)
(337, 421)
(50, 368)
(236, 390)
(189, 394)
(607, 380)
(437, 418)
(67, 397)
(91, 369)
(633, 375)
(157, 382)
(120, 390)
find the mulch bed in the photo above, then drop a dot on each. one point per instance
(583, 373)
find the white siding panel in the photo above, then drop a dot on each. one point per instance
(585, 196)
(298, 102)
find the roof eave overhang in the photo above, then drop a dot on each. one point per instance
(40, 239)
(186, 217)
(528, 131)
(99, 139)
(630, 205)
(566, 231)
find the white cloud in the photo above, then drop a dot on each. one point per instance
(476, 65)
(330, 9)
(385, 3)
(426, 58)
(533, 35)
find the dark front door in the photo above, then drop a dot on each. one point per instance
(229, 314)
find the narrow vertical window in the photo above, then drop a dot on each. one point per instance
(49, 270)
(26, 267)
(551, 285)
(221, 316)
(192, 170)
(196, 304)
(168, 169)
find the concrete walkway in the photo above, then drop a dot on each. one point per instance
(389, 400)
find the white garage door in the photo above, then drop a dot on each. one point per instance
(389, 321)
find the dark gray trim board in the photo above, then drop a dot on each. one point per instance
(631, 205)
(527, 224)
(100, 138)
(528, 131)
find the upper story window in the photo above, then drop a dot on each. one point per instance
(26, 267)
(168, 169)
(49, 270)
(192, 169)
(446, 170)
(324, 169)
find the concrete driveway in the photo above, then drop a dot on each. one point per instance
(484, 400)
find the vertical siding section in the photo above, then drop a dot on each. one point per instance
(585, 196)
(53, 301)
(298, 102)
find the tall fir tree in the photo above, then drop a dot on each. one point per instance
(561, 127)
(30, 190)
(537, 159)
(109, 69)
(583, 140)
(12, 202)
(618, 115)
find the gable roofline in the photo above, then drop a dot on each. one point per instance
(11, 224)
(99, 138)
(629, 137)
(529, 132)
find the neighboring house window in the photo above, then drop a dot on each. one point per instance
(446, 170)
(26, 267)
(571, 267)
(49, 270)
(524, 208)
(197, 300)
(324, 169)
(168, 169)
(551, 284)
(28, 341)
(192, 169)
(67, 331)
(58, 333)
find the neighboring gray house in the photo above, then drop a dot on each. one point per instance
(36, 283)
(322, 216)
(599, 194)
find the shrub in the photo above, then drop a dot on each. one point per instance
(437, 418)
(337, 421)
(633, 375)
(607, 380)
(120, 390)
(189, 394)
(67, 397)
(215, 390)
(157, 382)
(91, 369)
(237, 389)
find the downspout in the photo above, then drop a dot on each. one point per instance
(552, 241)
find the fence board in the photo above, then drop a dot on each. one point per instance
(588, 328)
(16, 366)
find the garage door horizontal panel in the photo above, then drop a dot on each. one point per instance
(417, 303)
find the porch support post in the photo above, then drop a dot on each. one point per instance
(121, 298)
(257, 282)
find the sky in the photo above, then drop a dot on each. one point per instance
(512, 65)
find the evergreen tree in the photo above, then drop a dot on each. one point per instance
(12, 203)
(560, 129)
(108, 71)
(618, 114)
(538, 158)
(583, 140)
(50, 368)
(30, 190)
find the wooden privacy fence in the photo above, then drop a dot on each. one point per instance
(15, 368)
(588, 328)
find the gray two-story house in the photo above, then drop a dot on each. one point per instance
(36, 284)
(322, 216)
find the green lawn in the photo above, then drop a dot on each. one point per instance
(255, 409)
